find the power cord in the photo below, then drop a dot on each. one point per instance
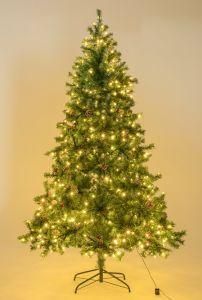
(157, 290)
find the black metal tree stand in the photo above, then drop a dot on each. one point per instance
(100, 276)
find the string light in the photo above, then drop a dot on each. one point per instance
(106, 179)
(71, 220)
(90, 71)
(118, 252)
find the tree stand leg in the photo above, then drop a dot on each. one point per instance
(100, 276)
(77, 274)
(117, 278)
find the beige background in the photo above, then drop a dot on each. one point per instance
(161, 41)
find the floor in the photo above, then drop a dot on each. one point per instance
(27, 276)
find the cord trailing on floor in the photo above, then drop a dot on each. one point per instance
(157, 290)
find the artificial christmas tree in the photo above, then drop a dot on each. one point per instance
(100, 196)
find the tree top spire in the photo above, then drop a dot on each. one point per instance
(99, 14)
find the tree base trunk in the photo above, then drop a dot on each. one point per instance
(100, 263)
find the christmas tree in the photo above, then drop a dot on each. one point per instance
(99, 195)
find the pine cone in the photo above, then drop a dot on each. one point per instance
(104, 167)
(88, 113)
